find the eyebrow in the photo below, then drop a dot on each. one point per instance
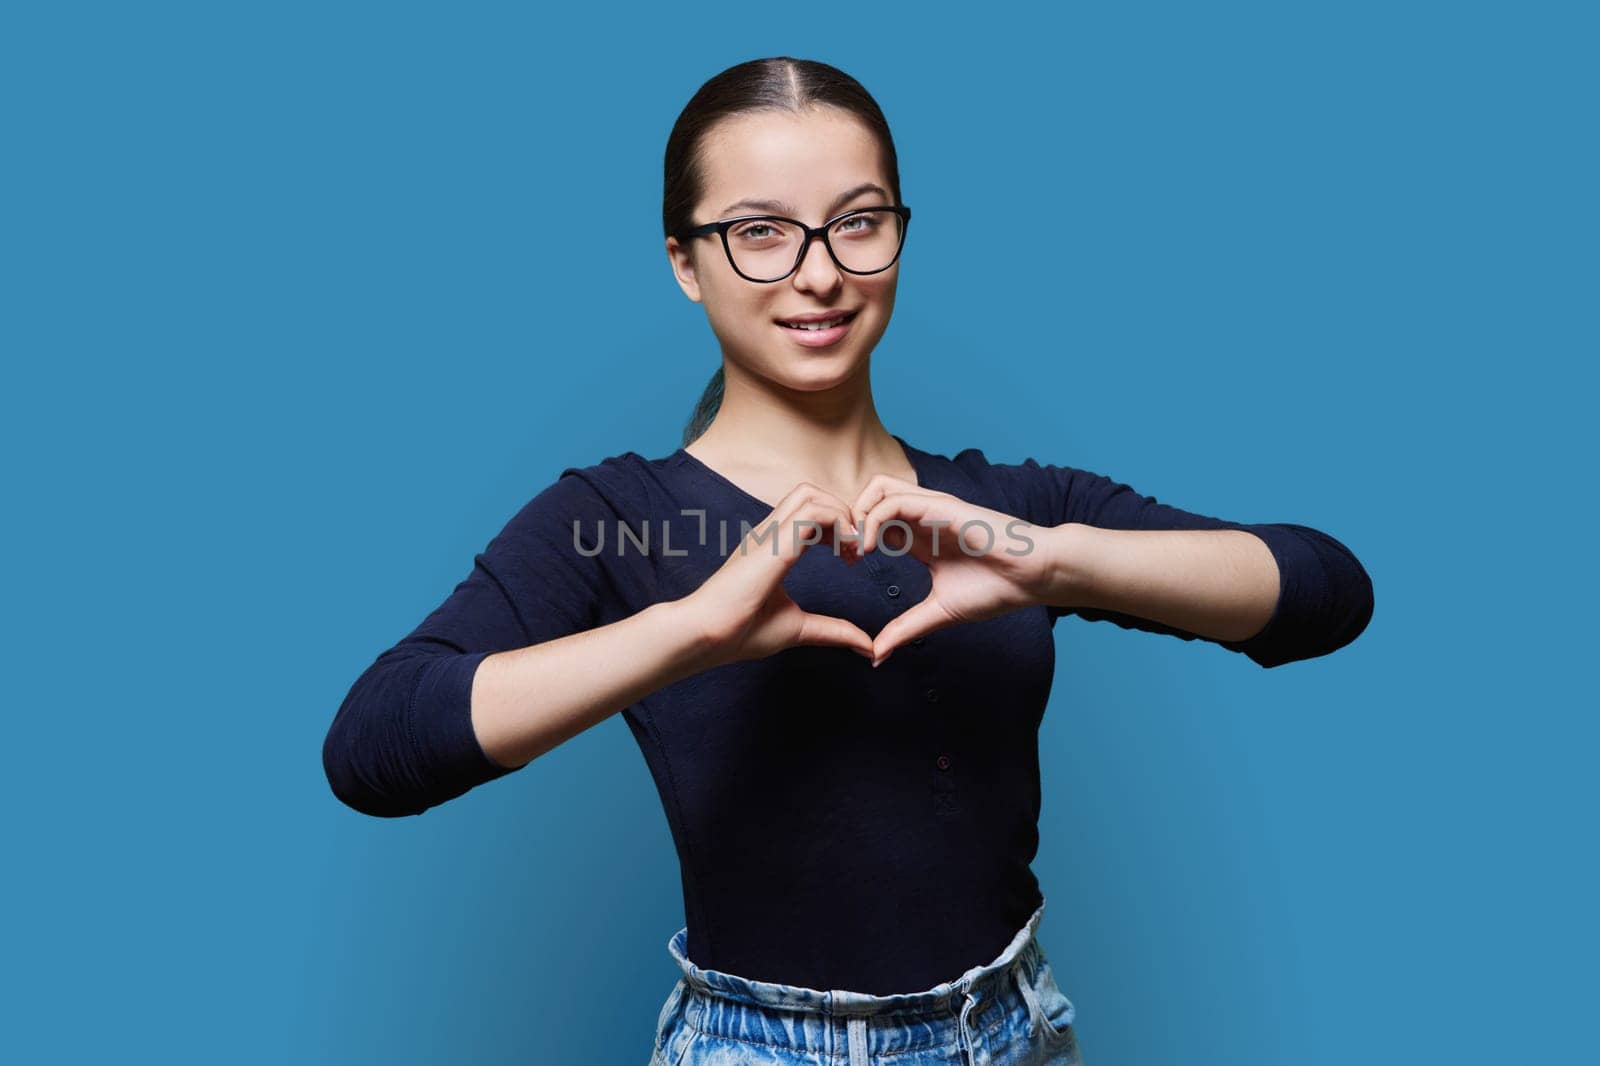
(779, 207)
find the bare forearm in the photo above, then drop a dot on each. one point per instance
(528, 701)
(1221, 584)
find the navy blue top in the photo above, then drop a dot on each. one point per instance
(838, 827)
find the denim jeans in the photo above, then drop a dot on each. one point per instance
(1009, 1012)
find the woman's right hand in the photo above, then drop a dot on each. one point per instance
(742, 608)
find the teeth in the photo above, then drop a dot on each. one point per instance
(829, 324)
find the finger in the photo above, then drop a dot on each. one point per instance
(821, 629)
(806, 492)
(792, 528)
(911, 507)
(823, 522)
(876, 489)
(924, 618)
(810, 504)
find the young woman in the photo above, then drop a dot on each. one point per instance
(833, 648)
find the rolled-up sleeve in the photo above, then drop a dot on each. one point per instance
(402, 740)
(1325, 597)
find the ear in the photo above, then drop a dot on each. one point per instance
(683, 268)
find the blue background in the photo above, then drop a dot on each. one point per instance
(301, 302)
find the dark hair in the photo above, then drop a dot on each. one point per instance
(778, 83)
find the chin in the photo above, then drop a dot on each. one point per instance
(817, 373)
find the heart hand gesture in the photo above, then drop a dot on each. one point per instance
(983, 562)
(746, 612)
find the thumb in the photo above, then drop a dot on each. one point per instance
(822, 629)
(925, 617)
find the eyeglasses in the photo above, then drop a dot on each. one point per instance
(768, 248)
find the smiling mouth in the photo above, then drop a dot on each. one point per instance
(817, 327)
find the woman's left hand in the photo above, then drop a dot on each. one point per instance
(983, 562)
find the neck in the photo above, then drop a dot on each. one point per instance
(830, 437)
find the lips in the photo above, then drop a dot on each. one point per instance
(817, 321)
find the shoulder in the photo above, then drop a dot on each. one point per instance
(624, 485)
(1034, 491)
(552, 541)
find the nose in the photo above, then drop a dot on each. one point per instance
(817, 271)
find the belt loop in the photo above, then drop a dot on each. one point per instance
(856, 1026)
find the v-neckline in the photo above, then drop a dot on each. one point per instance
(913, 456)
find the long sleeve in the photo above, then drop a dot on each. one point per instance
(402, 741)
(1325, 597)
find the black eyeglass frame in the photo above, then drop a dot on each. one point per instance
(721, 229)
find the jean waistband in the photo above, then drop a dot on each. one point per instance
(976, 983)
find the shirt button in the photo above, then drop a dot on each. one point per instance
(932, 695)
(893, 590)
(944, 762)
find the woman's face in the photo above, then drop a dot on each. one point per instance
(802, 166)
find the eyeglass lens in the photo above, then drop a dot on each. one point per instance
(766, 248)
